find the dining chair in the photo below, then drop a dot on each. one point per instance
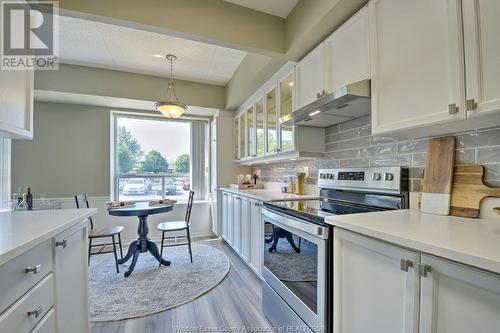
(111, 232)
(172, 226)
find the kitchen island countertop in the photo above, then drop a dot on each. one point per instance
(23, 230)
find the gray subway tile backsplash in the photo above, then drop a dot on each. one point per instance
(355, 163)
(354, 143)
(412, 146)
(488, 155)
(355, 123)
(465, 156)
(479, 139)
(352, 134)
(350, 145)
(394, 160)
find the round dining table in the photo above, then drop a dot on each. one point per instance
(143, 244)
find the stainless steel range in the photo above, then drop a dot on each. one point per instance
(298, 259)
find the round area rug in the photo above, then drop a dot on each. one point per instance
(151, 289)
(288, 265)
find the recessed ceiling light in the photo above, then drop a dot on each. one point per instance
(291, 84)
(158, 55)
(293, 159)
(314, 113)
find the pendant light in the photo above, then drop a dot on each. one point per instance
(172, 108)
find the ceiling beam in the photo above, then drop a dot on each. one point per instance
(210, 21)
(103, 83)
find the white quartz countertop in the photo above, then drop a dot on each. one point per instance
(268, 195)
(21, 231)
(475, 242)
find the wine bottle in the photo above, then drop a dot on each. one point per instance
(29, 199)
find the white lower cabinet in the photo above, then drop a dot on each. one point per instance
(229, 220)
(456, 298)
(70, 280)
(245, 229)
(44, 290)
(236, 234)
(225, 217)
(242, 228)
(371, 291)
(379, 287)
(256, 235)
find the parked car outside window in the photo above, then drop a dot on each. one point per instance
(170, 188)
(135, 186)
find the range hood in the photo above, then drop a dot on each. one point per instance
(346, 103)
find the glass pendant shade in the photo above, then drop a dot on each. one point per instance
(172, 108)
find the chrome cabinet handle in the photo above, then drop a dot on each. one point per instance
(33, 269)
(405, 264)
(62, 243)
(318, 95)
(424, 269)
(36, 313)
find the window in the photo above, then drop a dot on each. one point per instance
(155, 158)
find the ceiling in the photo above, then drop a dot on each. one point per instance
(115, 47)
(279, 8)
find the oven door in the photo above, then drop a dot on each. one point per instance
(295, 263)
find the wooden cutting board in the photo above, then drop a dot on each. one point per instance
(468, 190)
(438, 176)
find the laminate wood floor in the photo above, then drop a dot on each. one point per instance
(234, 305)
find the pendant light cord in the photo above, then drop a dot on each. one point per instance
(171, 85)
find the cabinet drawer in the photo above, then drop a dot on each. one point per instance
(21, 273)
(30, 309)
(47, 324)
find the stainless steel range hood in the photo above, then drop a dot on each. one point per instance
(349, 102)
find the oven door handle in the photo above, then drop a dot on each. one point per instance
(307, 227)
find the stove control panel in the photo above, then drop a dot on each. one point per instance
(351, 175)
(388, 179)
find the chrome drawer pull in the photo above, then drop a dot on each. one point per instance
(36, 313)
(62, 243)
(33, 269)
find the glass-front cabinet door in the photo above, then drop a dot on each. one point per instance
(271, 122)
(236, 138)
(250, 132)
(242, 132)
(259, 112)
(286, 108)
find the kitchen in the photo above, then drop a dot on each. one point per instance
(342, 169)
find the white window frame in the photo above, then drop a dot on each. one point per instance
(114, 115)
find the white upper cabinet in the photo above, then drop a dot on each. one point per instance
(16, 104)
(347, 52)
(482, 55)
(416, 63)
(310, 74)
(459, 299)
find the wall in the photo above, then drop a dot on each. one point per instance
(351, 145)
(70, 147)
(70, 154)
